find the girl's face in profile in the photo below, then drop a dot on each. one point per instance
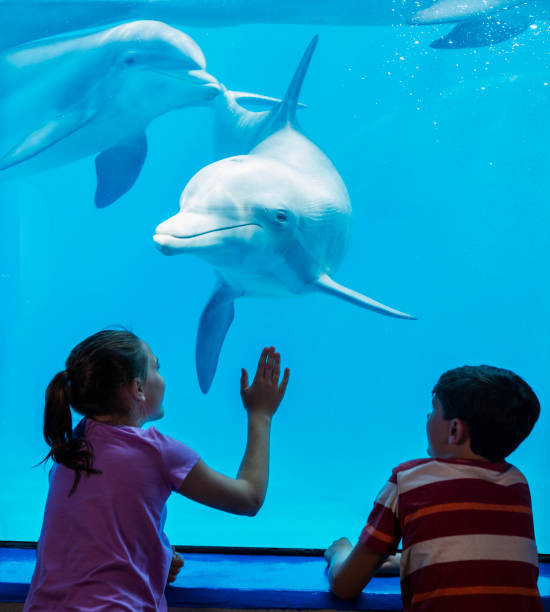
(153, 389)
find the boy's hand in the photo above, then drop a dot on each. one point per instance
(175, 565)
(391, 566)
(338, 550)
(265, 393)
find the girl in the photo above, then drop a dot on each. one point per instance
(102, 545)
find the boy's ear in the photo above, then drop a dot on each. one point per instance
(458, 432)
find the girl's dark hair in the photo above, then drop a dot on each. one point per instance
(498, 406)
(96, 370)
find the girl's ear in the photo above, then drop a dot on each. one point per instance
(458, 432)
(136, 390)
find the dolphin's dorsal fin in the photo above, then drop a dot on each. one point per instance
(285, 112)
(325, 284)
(118, 168)
(214, 323)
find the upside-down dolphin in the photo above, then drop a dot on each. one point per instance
(274, 222)
(480, 22)
(68, 97)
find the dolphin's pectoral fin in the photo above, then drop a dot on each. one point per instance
(481, 33)
(325, 284)
(118, 168)
(252, 101)
(215, 321)
(45, 137)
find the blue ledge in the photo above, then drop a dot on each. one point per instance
(243, 581)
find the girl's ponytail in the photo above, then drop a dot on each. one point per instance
(75, 453)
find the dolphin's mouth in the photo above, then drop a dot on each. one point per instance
(194, 77)
(169, 243)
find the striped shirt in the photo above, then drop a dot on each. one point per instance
(468, 537)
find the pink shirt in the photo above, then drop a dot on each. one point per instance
(103, 547)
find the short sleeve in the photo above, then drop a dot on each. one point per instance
(382, 533)
(178, 459)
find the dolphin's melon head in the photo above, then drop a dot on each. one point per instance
(240, 215)
(161, 67)
(230, 216)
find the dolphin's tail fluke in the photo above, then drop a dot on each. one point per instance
(325, 284)
(214, 323)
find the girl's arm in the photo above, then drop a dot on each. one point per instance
(245, 493)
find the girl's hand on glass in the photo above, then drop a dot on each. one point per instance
(265, 393)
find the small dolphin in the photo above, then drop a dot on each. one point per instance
(272, 223)
(68, 97)
(481, 22)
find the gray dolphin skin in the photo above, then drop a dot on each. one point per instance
(69, 96)
(274, 222)
(479, 22)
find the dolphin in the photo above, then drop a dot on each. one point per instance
(480, 22)
(68, 97)
(275, 222)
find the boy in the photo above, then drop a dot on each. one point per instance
(464, 515)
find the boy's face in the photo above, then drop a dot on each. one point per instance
(437, 430)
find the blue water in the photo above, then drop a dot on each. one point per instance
(446, 158)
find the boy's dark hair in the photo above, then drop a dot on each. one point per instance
(96, 370)
(498, 406)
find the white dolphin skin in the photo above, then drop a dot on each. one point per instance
(274, 222)
(480, 22)
(67, 97)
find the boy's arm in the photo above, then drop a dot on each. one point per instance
(350, 568)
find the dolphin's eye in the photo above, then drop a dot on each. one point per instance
(130, 60)
(282, 217)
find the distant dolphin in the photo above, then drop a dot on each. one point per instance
(272, 223)
(68, 97)
(481, 22)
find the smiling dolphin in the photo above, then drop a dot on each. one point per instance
(274, 222)
(68, 97)
(480, 22)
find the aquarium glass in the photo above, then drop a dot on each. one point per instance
(445, 155)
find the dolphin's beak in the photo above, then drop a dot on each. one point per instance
(206, 80)
(200, 78)
(189, 231)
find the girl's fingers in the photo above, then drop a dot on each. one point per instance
(284, 382)
(244, 380)
(276, 368)
(268, 372)
(261, 362)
